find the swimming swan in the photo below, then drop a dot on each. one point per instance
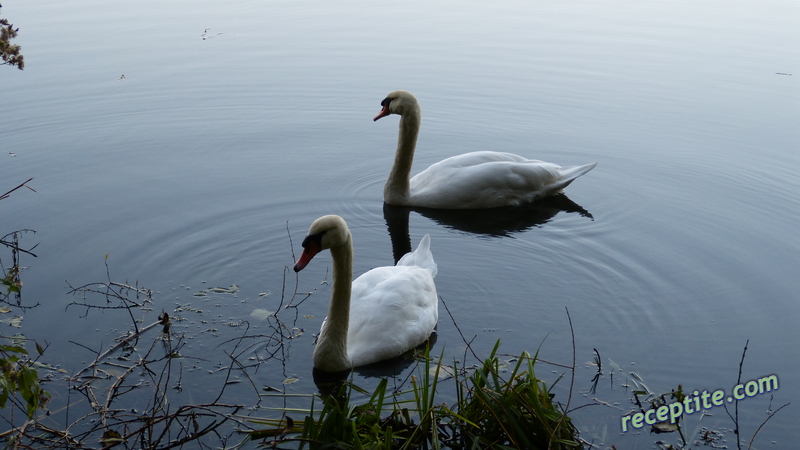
(379, 315)
(482, 179)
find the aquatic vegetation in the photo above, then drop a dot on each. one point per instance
(495, 408)
(131, 394)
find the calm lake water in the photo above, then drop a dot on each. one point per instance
(188, 140)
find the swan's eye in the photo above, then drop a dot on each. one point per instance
(313, 240)
(385, 103)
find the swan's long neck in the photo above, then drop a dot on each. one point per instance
(396, 190)
(330, 354)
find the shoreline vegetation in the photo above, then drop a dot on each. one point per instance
(130, 395)
(496, 406)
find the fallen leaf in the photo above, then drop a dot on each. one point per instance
(261, 314)
(231, 290)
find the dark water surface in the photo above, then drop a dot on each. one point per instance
(183, 139)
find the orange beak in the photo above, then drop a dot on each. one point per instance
(309, 251)
(384, 111)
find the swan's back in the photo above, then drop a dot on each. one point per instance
(489, 179)
(393, 309)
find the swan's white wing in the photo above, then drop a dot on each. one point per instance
(488, 179)
(392, 310)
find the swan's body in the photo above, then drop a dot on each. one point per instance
(474, 180)
(381, 314)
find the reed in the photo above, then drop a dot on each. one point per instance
(493, 409)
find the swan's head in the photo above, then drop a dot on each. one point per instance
(398, 102)
(326, 232)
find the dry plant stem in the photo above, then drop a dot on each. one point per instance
(572, 380)
(736, 403)
(235, 360)
(459, 331)
(109, 292)
(115, 347)
(598, 402)
(14, 242)
(4, 196)
(112, 392)
(185, 412)
(112, 289)
(171, 423)
(13, 274)
(276, 342)
(563, 366)
(160, 424)
(286, 269)
(735, 418)
(750, 445)
(296, 280)
(63, 436)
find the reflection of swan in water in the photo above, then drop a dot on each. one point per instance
(495, 222)
(484, 179)
(381, 314)
(507, 220)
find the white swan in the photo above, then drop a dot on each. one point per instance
(382, 313)
(483, 179)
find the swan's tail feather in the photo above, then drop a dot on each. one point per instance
(421, 257)
(569, 174)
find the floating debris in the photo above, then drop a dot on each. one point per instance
(207, 35)
(444, 371)
(664, 427)
(231, 290)
(19, 340)
(14, 321)
(261, 314)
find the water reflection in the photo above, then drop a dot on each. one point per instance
(495, 222)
